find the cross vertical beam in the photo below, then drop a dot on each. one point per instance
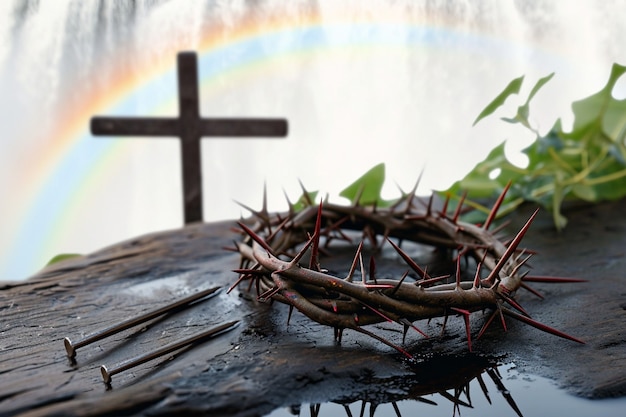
(189, 127)
(190, 135)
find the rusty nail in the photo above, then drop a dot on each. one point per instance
(71, 347)
(107, 374)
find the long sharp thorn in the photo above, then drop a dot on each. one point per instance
(428, 282)
(354, 262)
(496, 206)
(363, 279)
(458, 271)
(410, 195)
(373, 270)
(378, 312)
(410, 262)
(500, 227)
(459, 207)
(511, 248)
(468, 333)
(487, 324)
(258, 239)
(406, 322)
(476, 283)
(289, 204)
(444, 210)
(248, 271)
(314, 262)
(539, 326)
(405, 330)
(532, 290)
(383, 340)
(548, 279)
(510, 300)
(305, 194)
(395, 289)
(290, 312)
(430, 205)
(300, 254)
(241, 278)
(502, 321)
(357, 197)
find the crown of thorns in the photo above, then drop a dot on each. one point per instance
(270, 263)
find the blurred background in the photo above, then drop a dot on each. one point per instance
(361, 82)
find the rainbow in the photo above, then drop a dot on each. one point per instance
(54, 193)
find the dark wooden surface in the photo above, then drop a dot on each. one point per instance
(264, 363)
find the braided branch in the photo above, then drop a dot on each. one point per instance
(342, 303)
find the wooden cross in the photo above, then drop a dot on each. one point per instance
(189, 127)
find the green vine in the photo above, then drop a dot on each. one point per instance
(588, 163)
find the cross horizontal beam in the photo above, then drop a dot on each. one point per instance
(189, 127)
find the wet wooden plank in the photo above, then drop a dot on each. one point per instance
(264, 363)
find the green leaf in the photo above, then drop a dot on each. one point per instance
(524, 110)
(367, 189)
(62, 257)
(512, 88)
(540, 83)
(601, 110)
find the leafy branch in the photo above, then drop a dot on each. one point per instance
(588, 163)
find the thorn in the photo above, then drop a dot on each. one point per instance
(511, 248)
(241, 278)
(496, 206)
(337, 334)
(487, 324)
(289, 204)
(532, 290)
(476, 283)
(264, 205)
(414, 266)
(385, 341)
(362, 269)
(552, 280)
(289, 314)
(395, 289)
(258, 239)
(459, 207)
(373, 270)
(406, 323)
(411, 194)
(300, 254)
(539, 326)
(268, 294)
(305, 194)
(500, 227)
(354, 262)
(514, 303)
(444, 210)
(314, 259)
(430, 205)
(249, 271)
(458, 272)
(378, 312)
(468, 333)
(357, 197)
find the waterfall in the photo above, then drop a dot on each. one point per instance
(398, 82)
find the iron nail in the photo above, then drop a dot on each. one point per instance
(71, 347)
(131, 363)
